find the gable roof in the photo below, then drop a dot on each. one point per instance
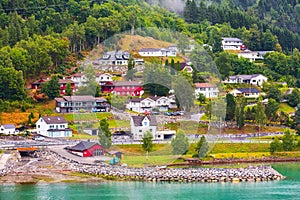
(204, 85)
(245, 76)
(248, 90)
(79, 98)
(83, 145)
(126, 83)
(137, 120)
(232, 39)
(54, 119)
(8, 126)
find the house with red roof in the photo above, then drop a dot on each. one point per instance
(123, 88)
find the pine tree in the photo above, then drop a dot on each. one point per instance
(202, 147)
(104, 134)
(239, 112)
(230, 107)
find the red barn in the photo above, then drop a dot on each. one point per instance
(87, 149)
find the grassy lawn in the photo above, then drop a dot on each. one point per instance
(253, 129)
(87, 116)
(141, 161)
(82, 136)
(240, 147)
(189, 127)
(136, 149)
(118, 124)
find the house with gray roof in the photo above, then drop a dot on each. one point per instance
(246, 92)
(157, 52)
(8, 129)
(87, 103)
(141, 124)
(251, 79)
(253, 55)
(87, 149)
(53, 126)
(232, 43)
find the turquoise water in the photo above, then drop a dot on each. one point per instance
(286, 189)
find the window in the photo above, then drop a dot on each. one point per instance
(39, 126)
(150, 130)
(62, 126)
(140, 131)
(145, 123)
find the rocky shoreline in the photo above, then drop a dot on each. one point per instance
(157, 174)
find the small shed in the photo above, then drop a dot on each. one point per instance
(117, 154)
(87, 149)
(8, 129)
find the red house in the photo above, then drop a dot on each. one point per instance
(87, 149)
(62, 82)
(38, 84)
(123, 88)
(63, 85)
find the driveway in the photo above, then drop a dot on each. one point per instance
(90, 160)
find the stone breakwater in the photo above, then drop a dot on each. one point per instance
(10, 164)
(153, 174)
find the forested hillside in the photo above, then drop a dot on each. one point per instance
(281, 17)
(50, 36)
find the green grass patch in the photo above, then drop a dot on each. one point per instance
(87, 116)
(284, 107)
(189, 127)
(240, 147)
(253, 129)
(118, 124)
(142, 161)
(136, 149)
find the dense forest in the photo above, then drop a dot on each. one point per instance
(49, 36)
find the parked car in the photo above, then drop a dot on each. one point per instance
(38, 138)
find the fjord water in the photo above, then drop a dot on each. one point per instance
(285, 189)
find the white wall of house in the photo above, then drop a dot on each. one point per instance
(236, 92)
(259, 80)
(139, 131)
(231, 44)
(163, 104)
(104, 78)
(8, 131)
(42, 128)
(208, 92)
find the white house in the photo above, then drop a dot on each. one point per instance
(207, 89)
(8, 129)
(53, 126)
(232, 43)
(253, 55)
(114, 58)
(253, 79)
(157, 52)
(142, 105)
(103, 78)
(246, 92)
(141, 124)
